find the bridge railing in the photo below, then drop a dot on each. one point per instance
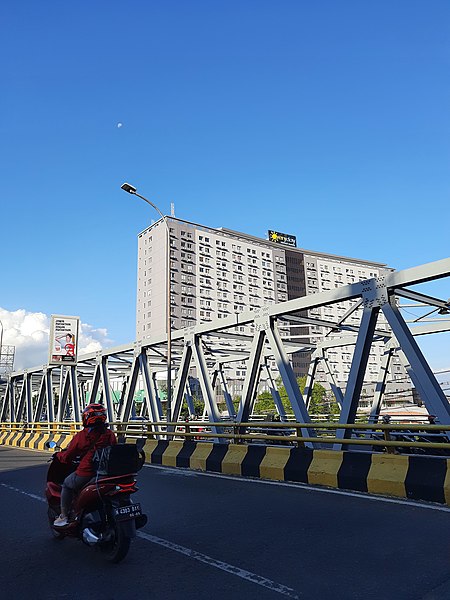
(60, 428)
(390, 438)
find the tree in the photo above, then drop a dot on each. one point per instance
(236, 402)
(264, 403)
(319, 404)
(198, 407)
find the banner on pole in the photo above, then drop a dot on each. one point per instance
(63, 340)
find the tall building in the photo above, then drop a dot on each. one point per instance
(216, 272)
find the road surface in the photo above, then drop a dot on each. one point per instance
(211, 537)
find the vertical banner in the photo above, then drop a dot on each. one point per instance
(63, 340)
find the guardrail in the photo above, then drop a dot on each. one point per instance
(62, 427)
(390, 438)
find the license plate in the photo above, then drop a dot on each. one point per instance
(123, 513)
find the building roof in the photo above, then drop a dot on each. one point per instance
(255, 239)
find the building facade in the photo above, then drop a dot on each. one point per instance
(219, 272)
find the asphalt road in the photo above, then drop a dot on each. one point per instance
(211, 537)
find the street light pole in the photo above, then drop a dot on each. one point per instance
(1, 343)
(132, 190)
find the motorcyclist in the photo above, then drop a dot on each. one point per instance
(95, 434)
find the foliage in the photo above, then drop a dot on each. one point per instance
(198, 407)
(264, 403)
(320, 403)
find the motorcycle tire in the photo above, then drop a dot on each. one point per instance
(117, 549)
(52, 515)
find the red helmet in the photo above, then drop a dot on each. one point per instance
(93, 414)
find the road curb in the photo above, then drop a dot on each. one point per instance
(422, 478)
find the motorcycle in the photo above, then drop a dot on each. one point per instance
(102, 514)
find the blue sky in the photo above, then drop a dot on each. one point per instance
(329, 120)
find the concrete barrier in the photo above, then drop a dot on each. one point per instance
(425, 478)
(34, 440)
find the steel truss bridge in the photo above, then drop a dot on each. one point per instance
(58, 394)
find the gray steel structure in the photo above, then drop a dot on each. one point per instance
(30, 394)
(6, 359)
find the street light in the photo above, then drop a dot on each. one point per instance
(127, 187)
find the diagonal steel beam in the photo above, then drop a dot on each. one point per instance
(153, 406)
(95, 381)
(357, 370)
(337, 392)
(307, 392)
(225, 392)
(251, 377)
(6, 401)
(274, 391)
(182, 378)
(205, 384)
(423, 298)
(76, 412)
(419, 371)
(63, 397)
(127, 403)
(22, 397)
(106, 387)
(380, 386)
(288, 377)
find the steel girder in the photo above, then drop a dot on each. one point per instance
(358, 369)
(208, 346)
(382, 380)
(418, 368)
(224, 386)
(274, 391)
(69, 388)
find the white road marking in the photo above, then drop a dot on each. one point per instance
(218, 564)
(304, 486)
(14, 489)
(212, 562)
(177, 471)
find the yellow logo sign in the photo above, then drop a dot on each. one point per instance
(282, 238)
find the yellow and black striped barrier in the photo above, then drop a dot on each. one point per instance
(36, 435)
(416, 477)
(34, 439)
(425, 478)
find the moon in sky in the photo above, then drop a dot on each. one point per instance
(119, 125)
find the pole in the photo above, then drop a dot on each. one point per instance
(169, 328)
(168, 306)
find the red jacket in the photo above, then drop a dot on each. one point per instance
(84, 444)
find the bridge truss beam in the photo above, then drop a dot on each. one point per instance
(208, 347)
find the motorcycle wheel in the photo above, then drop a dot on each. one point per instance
(52, 515)
(117, 549)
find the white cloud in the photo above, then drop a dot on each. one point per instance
(29, 333)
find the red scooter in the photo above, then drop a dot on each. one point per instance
(102, 514)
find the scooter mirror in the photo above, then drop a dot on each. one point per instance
(51, 445)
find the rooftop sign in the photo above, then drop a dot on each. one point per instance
(282, 238)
